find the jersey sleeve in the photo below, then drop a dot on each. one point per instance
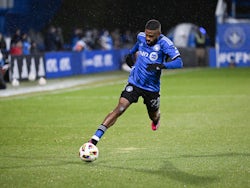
(135, 48)
(169, 49)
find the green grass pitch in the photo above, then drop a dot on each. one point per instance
(203, 141)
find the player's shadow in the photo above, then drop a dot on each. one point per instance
(170, 171)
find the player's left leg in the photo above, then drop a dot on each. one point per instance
(152, 101)
(155, 117)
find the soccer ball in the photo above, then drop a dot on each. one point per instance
(88, 152)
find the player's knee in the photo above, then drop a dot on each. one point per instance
(121, 109)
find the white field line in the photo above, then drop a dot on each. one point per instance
(58, 86)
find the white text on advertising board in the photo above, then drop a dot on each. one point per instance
(237, 57)
(64, 64)
(99, 61)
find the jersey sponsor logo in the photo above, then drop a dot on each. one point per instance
(153, 56)
(143, 53)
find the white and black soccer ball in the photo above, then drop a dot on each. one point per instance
(88, 152)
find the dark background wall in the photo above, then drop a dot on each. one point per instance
(111, 14)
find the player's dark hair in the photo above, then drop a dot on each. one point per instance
(153, 25)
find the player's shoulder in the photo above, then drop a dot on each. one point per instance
(141, 35)
(165, 40)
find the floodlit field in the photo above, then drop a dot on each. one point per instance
(203, 141)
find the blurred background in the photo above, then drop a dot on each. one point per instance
(59, 38)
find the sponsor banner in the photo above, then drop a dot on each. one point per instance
(100, 61)
(233, 44)
(61, 64)
(27, 67)
(64, 64)
(58, 64)
(212, 57)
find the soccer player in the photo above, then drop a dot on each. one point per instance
(152, 50)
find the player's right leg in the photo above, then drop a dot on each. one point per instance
(110, 119)
(128, 96)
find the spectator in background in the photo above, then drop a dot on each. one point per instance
(2, 42)
(26, 44)
(2, 71)
(3, 47)
(38, 39)
(16, 37)
(95, 37)
(4, 64)
(106, 41)
(88, 38)
(3, 50)
(33, 48)
(80, 46)
(77, 35)
(200, 42)
(17, 48)
(59, 39)
(16, 44)
(116, 36)
(78, 41)
(127, 39)
(3, 67)
(51, 39)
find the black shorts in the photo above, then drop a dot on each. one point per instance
(151, 99)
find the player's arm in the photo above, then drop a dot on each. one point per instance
(174, 64)
(129, 58)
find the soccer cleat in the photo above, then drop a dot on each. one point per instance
(155, 127)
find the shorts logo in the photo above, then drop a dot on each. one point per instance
(129, 88)
(153, 56)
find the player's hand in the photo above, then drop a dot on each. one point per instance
(129, 60)
(155, 66)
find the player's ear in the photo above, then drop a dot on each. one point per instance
(158, 33)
